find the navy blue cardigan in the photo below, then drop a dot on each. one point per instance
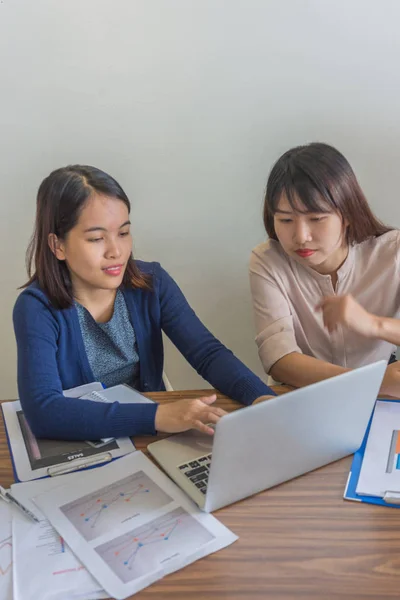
(52, 357)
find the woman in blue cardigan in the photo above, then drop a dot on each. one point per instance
(90, 312)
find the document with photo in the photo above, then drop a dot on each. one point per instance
(35, 458)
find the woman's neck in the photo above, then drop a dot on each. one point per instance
(333, 263)
(100, 303)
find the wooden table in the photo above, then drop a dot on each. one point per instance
(298, 540)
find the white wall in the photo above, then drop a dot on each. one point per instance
(187, 103)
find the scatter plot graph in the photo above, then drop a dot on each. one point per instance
(94, 514)
(5, 556)
(153, 545)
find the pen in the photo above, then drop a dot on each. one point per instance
(79, 463)
(8, 498)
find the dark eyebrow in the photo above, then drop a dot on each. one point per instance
(284, 212)
(97, 228)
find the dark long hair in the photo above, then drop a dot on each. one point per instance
(322, 179)
(60, 200)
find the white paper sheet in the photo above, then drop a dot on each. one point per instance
(379, 472)
(44, 567)
(119, 393)
(131, 525)
(6, 584)
(87, 388)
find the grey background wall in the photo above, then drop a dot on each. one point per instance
(187, 103)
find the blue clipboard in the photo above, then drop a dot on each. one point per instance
(352, 481)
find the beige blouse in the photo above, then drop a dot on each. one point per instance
(285, 294)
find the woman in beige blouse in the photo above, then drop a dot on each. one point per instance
(326, 285)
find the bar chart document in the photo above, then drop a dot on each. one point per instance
(380, 470)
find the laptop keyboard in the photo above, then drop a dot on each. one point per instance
(197, 471)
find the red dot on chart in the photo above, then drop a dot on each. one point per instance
(99, 500)
(127, 499)
(82, 514)
(116, 553)
(135, 539)
(162, 534)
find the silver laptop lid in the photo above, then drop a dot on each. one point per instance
(263, 445)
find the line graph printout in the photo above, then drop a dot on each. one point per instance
(93, 514)
(5, 556)
(154, 544)
(44, 566)
(130, 524)
(5, 551)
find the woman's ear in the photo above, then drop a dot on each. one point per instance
(346, 223)
(56, 246)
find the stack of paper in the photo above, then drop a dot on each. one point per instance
(35, 458)
(107, 532)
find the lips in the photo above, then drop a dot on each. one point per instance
(113, 270)
(305, 252)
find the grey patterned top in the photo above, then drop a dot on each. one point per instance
(111, 347)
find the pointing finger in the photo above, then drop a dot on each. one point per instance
(203, 428)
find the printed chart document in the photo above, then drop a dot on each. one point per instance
(380, 470)
(130, 524)
(44, 567)
(6, 584)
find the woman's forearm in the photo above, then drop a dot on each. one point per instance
(388, 329)
(299, 369)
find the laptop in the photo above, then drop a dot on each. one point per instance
(260, 446)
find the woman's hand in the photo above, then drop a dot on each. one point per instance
(344, 310)
(391, 381)
(183, 415)
(261, 399)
